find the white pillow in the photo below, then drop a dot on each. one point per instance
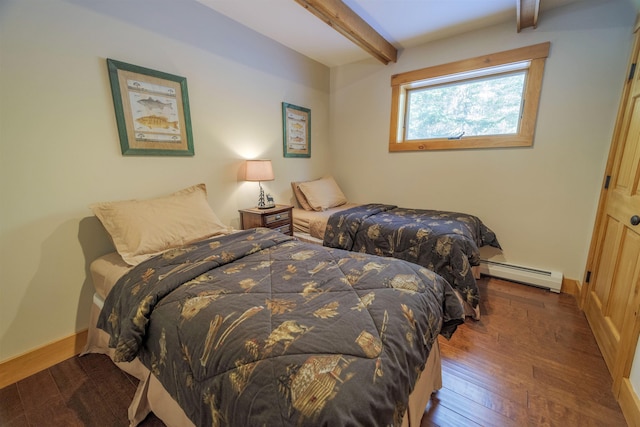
(323, 193)
(141, 229)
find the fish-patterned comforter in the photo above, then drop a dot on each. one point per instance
(259, 329)
(445, 242)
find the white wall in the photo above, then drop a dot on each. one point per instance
(60, 152)
(541, 201)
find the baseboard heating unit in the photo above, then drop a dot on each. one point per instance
(530, 276)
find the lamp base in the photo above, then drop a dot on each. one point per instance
(261, 200)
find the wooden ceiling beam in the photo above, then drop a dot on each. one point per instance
(527, 13)
(348, 23)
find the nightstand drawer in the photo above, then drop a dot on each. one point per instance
(277, 218)
(285, 229)
(282, 216)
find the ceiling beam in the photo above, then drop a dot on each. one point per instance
(348, 23)
(527, 13)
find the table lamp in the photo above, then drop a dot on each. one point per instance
(260, 170)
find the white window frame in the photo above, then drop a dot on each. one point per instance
(534, 55)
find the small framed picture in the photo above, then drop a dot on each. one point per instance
(296, 129)
(152, 111)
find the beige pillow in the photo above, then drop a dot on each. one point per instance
(323, 193)
(302, 200)
(141, 229)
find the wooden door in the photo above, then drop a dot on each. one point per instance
(611, 298)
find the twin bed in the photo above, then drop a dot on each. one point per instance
(445, 242)
(226, 327)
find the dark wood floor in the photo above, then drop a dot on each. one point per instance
(530, 361)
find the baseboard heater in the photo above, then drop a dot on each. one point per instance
(551, 280)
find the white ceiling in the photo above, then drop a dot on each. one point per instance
(404, 23)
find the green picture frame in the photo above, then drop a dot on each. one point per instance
(296, 130)
(152, 111)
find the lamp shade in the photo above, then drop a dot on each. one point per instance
(259, 170)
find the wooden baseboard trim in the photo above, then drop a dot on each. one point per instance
(571, 287)
(34, 361)
(629, 403)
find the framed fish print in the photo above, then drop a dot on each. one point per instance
(152, 111)
(296, 129)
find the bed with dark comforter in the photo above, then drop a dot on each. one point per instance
(444, 242)
(256, 328)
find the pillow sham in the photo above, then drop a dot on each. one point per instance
(323, 193)
(141, 229)
(302, 200)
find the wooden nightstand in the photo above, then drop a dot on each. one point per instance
(278, 218)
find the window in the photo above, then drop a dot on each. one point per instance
(489, 101)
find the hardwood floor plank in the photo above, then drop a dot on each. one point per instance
(497, 378)
(11, 407)
(79, 392)
(521, 301)
(438, 415)
(98, 364)
(54, 413)
(544, 400)
(69, 376)
(472, 410)
(548, 412)
(113, 385)
(20, 421)
(512, 409)
(495, 307)
(489, 366)
(512, 289)
(38, 390)
(565, 378)
(537, 350)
